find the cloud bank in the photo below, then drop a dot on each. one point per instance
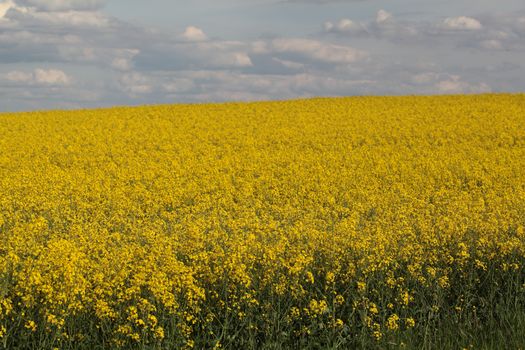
(71, 54)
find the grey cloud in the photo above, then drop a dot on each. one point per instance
(62, 5)
(111, 62)
(174, 55)
(290, 56)
(384, 26)
(346, 26)
(59, 19)
(461, 23)
(322, 1)
(316, 50)
(39, 76)
(486, 32)
(93, 38)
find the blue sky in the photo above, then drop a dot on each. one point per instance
(96, 53)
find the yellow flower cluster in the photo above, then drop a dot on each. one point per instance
(163, 224)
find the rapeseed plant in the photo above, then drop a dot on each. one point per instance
(321, 223)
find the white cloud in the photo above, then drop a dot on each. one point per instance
(462, 23)
(383, 26)
(124, 58)
(135, 83)
(120, 63)
(62, 19)
(62, 5)
(5, 6)
(215, 54)
(289, 64)
(496, 33)
(179, 85)
(20, 77)
(383, 16)
(317, 50)
(40, 77)
(194, 34)
(241, 59)
(344, 26)
(454, 84)
(260, 46)
(491, 44)
(51, 77)
(425, 78)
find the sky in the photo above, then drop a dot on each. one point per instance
(71, 54)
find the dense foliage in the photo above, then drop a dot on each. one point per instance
(324, 223)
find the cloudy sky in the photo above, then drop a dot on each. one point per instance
(91, 53)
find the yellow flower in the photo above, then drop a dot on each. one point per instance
(310, 277)
(295, 312)
(392, 322)
(159, 333)
(318, 307)
(330, 277)
(443, 282)
(31, 325)
(130, 218)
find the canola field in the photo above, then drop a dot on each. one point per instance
(325, 223)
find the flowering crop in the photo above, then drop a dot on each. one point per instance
(327, 221)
